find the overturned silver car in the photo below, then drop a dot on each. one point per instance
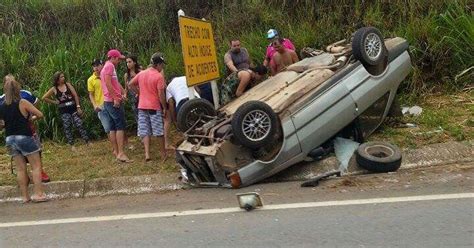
(346, 91)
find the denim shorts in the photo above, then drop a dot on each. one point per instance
(105, 120)
(21, 145)
(116, 116)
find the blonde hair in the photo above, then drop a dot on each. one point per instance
(11, 88)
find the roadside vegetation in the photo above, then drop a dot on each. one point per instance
(40, 37)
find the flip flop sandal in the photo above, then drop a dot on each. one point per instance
(39, 200)
(124, 160)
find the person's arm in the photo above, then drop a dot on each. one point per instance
(125, 88)
(172, 110)
(94, 104)
(266, 60)
(273, 67)
(132, 84)
(30, 108)
(110, 89)
(244, 77)
(229, 63)
(47, 96)
(76, 98)
(162, 95)
(294, 57)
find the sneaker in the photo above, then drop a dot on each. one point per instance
(44, 177)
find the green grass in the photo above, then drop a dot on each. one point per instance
(444, 118)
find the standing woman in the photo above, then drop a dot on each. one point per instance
(66, 98)
(133, 68)
(16, 114)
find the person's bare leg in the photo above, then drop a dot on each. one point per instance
(120, 134)
(167, 126)
(113, 142)
(146, 144)
(164, 154)
(35, 162)
(22, 177)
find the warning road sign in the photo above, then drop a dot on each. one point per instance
(199, 50)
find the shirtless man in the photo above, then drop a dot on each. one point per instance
(282, 58)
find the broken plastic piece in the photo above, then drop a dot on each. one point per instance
(344, 149)
(315, 181)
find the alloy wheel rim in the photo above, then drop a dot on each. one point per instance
(256, 125)
(373, 46)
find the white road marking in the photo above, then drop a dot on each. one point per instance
(233, 210)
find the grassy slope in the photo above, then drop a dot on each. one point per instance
(39, 38)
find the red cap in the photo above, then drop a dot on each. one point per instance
(114, 53)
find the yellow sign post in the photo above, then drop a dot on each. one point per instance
(199, 50)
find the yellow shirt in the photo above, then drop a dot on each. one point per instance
(93, 85)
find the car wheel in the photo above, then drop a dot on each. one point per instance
(192, 111)
(379, 157)
(254, 124)
(368, 46)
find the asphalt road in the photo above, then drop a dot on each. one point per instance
(352, 212)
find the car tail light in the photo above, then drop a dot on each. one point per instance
(235, 181)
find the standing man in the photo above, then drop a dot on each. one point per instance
(272, 35)
(27, 95)
(97, 97)
(151, 84)
(282, 58)
(113, 103)
(236, 58)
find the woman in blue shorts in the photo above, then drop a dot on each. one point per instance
(16, 114)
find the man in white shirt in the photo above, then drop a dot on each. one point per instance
(176, 95)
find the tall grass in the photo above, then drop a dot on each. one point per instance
(40, 37)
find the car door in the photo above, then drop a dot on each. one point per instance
(325, 115)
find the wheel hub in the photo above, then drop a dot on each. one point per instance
(373, 46)
(256, 125)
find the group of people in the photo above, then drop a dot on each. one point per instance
(241, 76)
(154, 102)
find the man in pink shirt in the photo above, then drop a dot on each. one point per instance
(113, 104)
(151, 90)
(272, 34)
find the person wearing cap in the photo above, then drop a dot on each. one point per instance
(282, 58)
(237, 58)
(272, 34)
(151, 104)
(113, 103)
(97, 97)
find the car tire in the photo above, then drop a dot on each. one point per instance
(246, 117)
(379, 157)
(368, 46)
(191, 111)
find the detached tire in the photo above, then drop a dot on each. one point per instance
(191, 111)
(254, 124)
(379, 157)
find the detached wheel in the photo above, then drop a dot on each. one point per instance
(379, 157)
(192, 111)
(254, 124)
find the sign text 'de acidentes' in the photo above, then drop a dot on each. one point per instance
(199, 51)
